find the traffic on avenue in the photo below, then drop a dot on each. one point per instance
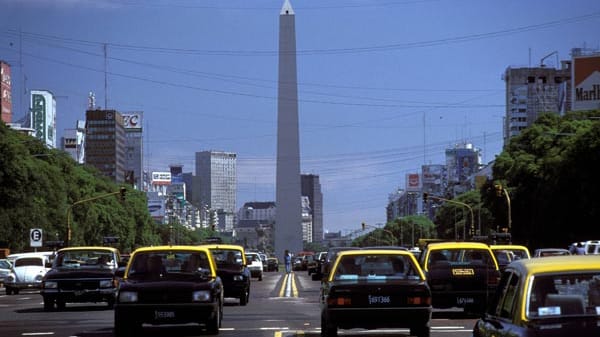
(280, 305)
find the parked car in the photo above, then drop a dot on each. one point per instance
(272, 264)
(169, 285)
(5, 268)
(232, 269)
(81, 274)
(297, 263)
(255, 265)
(553, 296)
(28, 270)
(375, 288)
(460, 274)
(545, 252)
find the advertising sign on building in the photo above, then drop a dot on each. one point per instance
(413, 182)
(43, 116)
(5, 93)
(132, 120)
(161, 178)
(586, 82)
(156, 206)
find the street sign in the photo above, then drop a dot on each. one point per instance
(35, 236)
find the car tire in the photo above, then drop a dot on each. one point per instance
(260, 277)
(212, 326)
(244, 298)
(420, 331)
(60, 304)
(48, 304)
(327, 330)
(111, 303)
(9, 291)
(16, 291)
(124, 328)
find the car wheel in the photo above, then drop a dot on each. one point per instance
(48, 304)
(9, 291)
(111, 303)
(124, 328)
(60, 304)
(16, 291)
(212, 326)
(326, 330)
(244, 298)
(260, 277)
(420, 331)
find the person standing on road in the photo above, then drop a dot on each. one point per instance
(287, 260)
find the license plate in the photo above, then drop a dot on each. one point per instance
(164, 314)
(379, 299)
(463, 272)
(78, 292)
(465, 300)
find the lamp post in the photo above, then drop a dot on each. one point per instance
(472, 227)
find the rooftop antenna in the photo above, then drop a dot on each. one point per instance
(545, 57)
(105, 77)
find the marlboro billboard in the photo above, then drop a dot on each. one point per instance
(586, 82)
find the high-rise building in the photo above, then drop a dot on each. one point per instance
(73, 142)
(5, 93)
(462, 161)
(43, 116)
(311, 188)
(105, 143)
(217, 184)
(134, 151)
(533, 91)
(288, 221)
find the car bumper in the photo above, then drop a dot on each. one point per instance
(448, 299)
(373, 318)
(28, 285)
(166, 313)
(255, 272)
(80, 296)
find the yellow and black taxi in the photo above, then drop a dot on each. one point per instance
(375, 288)
(554, 296)
(232, 269)
(505, 254)
(460, 274)
(169, 285)
(81, 274)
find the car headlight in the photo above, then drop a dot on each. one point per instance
(38, 278)
(106, 283)
(128, 296)
(10, 278)
(238, 277)
(201, 296)
(50, 285)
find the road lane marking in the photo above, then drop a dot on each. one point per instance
(281, 292)
(37, 333)
(294, 288)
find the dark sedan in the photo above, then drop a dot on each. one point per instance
(232, 269)
(374, 289)
(169, 285)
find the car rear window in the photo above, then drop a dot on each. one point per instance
(374, 267)
(29, 261)
(571, 294)
(227, 257)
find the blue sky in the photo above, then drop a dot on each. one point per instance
(384, 85)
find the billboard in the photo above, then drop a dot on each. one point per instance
(5, 93)
(132, 120)
(161, 178)
(413, 182)
(43, 116)
(156, 206)
(586, 82)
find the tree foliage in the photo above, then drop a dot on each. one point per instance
(37, 187)
(405, 231)
(551, 172)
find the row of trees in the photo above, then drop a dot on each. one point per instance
(551, 172)
(38, 185)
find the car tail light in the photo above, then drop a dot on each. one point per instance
(417, 300)
(339, 301)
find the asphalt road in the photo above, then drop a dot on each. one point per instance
(278, 307)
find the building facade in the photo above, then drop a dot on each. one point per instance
(531, 91)
(5, 92)
(311, 188)
(73, 142)
(217, 185)
(462, 161)
(43, 116)
(134, 150)
(105, 143)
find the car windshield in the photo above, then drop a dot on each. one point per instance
(564, 295)
(227, 257)
(375, 267)
(168, 265)
(85, 259)
(252, 258)
(4, 264)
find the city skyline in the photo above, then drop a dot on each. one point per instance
(384, 87)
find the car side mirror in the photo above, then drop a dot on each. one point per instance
(120, 272)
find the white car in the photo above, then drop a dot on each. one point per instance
(5, 269)
(27, 272)
(255, 265)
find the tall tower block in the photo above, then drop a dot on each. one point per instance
(288, 218)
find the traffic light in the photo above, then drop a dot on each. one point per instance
(498, 190)
(122, 193)
(425, 195)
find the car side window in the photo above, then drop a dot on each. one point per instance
(509, 300)
(494, 307)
